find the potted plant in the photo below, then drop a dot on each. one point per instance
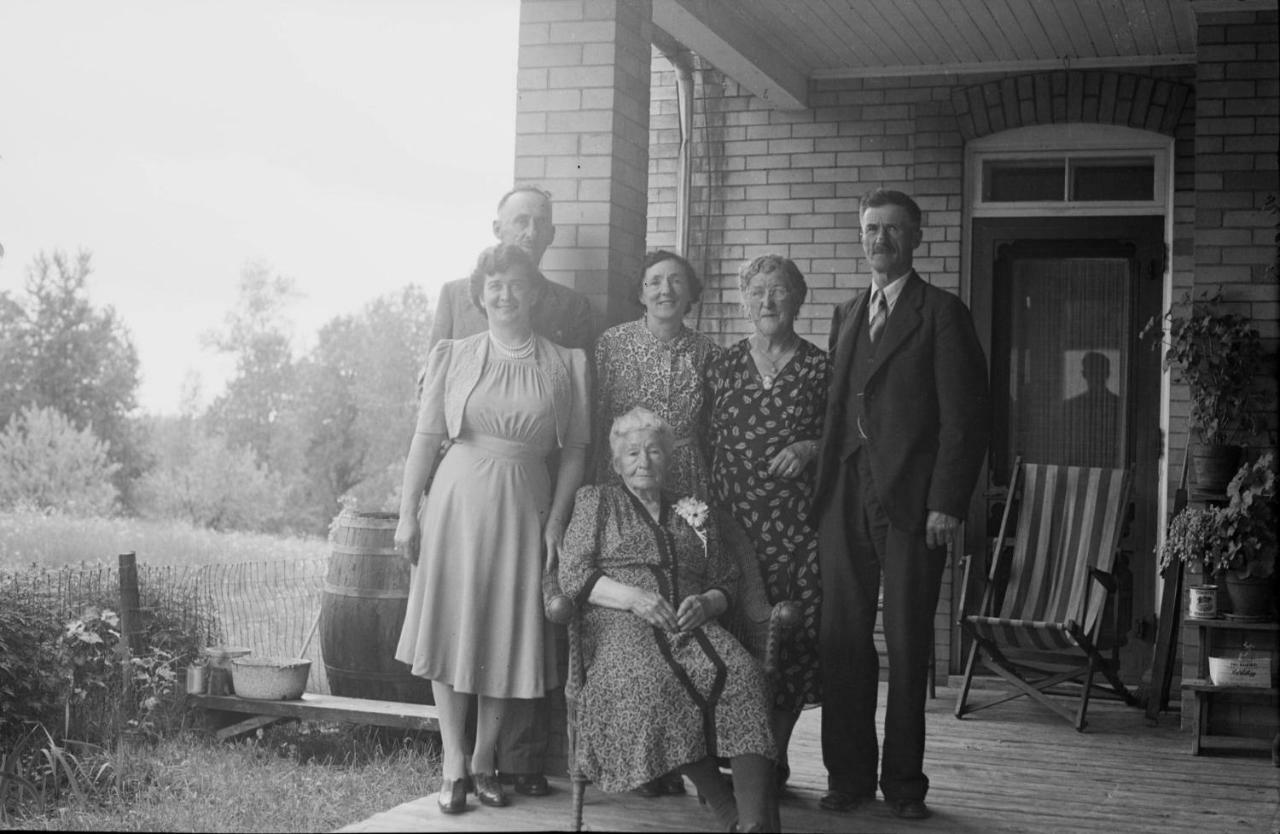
(1236, 543)
(1194, 538)
(1249, 536)
(1218, 354)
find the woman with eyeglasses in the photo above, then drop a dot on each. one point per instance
(659, 363)
(768, 395)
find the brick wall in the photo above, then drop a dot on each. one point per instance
(789, 182)
(1237, 133)
(1237, 130)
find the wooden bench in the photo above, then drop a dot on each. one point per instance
(314, 707)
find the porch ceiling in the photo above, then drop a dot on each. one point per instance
(776, 48)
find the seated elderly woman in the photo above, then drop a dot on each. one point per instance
(666, 687)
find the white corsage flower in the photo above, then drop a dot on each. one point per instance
(695, 514)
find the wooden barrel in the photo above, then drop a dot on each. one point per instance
(362, 611)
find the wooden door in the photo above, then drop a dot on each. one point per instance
(1059, 304)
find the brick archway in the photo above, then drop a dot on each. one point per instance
(1089, 96)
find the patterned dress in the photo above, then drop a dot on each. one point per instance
(653, 700)
(635, 368)
(749, 426)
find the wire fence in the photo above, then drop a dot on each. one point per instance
(271, 608)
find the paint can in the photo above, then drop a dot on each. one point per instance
(197, 679)
(1202, 602)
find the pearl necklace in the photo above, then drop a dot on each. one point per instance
(767, 379)
(521, 351)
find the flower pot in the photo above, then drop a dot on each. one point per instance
(1215, 465)
(1251, 598)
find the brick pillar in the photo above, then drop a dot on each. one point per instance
(582, 132)
(1236, 134)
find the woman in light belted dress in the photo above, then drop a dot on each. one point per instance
(659, 363)
(474, 622)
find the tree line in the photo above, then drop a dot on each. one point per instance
(292, 438)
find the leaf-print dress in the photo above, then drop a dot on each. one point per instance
(749, 425)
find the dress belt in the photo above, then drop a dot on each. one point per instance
(501, 447)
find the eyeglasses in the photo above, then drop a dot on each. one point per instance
(775, 293)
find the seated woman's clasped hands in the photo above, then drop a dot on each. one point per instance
(666, 688)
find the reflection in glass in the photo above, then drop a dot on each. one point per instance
(1069, 360)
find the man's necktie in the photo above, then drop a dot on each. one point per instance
(879, 313)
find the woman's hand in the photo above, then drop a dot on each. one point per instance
(653, 609)
(791, 461)
(409, 538)
(552, 538)
(694, 611)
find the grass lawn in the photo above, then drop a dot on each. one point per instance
(297, 777)
(300, 776)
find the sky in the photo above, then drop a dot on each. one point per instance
(354, 147)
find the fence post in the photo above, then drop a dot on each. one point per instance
(129, 626)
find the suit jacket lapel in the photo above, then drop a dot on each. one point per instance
(902, 322)
(848, 336)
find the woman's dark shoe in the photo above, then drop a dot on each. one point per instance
(532, 784)
(489, 790)
(672, 784)
(453, 796)
(649, 789)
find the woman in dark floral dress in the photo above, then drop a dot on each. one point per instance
(768, 395)
(666, 687)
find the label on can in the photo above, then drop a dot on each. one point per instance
(1202, 602)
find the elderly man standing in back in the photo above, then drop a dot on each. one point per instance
(563, 316)
(904, 438)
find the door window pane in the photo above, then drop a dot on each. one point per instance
(1100, 180)
(1069, 360)
(1021, 181)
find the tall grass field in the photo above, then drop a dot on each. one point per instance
(32, 539)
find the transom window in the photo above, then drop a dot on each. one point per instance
(1068, 169)
(1083, 179)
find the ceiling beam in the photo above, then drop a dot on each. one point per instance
(903, 70)
(713, 31)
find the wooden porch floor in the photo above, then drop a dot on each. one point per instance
(1011, 768)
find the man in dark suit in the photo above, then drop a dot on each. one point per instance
(906, 432)
(562, 315)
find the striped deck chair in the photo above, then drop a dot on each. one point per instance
(1043, 632)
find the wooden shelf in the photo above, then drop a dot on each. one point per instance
(1235, 743)
(1203, 685)
(1204, 690)
(1223, 622)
